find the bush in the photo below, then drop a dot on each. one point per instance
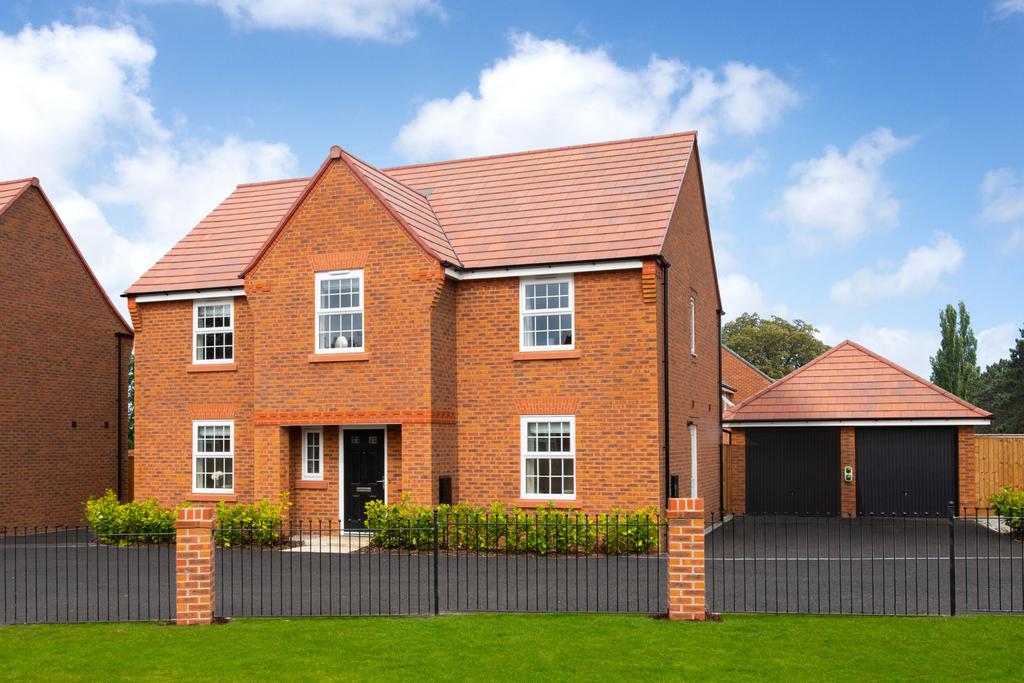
(255, 524)
(1009, 504)
(117, 523)
(497, 529)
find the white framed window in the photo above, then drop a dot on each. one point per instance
(213, 331)
(548, 456)
(693, 326)
(339, 311)
(313, 453)
(213, 459)
(546, 314)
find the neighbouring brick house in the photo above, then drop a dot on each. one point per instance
(71, 387)
(477, 330)
(740, 380)
(852, 433)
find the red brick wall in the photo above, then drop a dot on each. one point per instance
(848, 456)
(736, 469)
(968, 464)
(612, 388)
(744, 379)
(695, 380)
(58, 366)
(168, 397)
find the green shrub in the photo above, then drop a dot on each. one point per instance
(495, 528)
(117, 523)
(1009, 503)
(254, 524)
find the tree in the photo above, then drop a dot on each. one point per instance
(774, 346)
(955, 364)
(1001, 391)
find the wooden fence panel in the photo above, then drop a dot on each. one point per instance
(1000, 463)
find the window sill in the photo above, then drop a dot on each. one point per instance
(311, 484)
(547, 355)
(338, 357)
(212, 367)
(211, 497)
(560, 503)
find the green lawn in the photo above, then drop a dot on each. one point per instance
(523, 647)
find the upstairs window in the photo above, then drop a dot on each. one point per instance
(213, 326)
(213, 460)
(546, 314)
(548, 456)
(339, 311)
(312, 453)
(693, 326)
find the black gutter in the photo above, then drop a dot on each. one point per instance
(665, 265)
(721, 450)
(120, 411)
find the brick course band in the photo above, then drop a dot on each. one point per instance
(686, 600)
(356, 417)
(194, 566)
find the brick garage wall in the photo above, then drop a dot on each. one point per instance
(58, 366)
(169, 395)
(744, 379)
(848, 456)
(694, 386)
(612, 388)
(736, 470)
(968, 465)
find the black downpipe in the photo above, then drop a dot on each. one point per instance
(721, 453)
(120, 410)
(665, 265)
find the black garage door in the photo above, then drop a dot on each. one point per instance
(793, 471)
(906, 470)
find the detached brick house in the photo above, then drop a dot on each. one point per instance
(63, 369)
(477, 330)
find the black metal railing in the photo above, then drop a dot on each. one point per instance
(65, 574)
(444, 564)
(874, 564)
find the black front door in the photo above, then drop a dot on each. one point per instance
(364, 473)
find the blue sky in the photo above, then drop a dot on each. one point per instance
(864, 162)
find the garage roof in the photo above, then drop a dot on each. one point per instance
(850, 382)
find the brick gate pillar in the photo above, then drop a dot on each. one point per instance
(686, 601)
(194, 566)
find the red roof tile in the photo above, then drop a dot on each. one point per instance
(850, 382)
(582, 203)
(12, 189)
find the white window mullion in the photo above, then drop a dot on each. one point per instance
(338, 325)
(213, 331)
(213, 461)
(313, 454)
(548, 462)
(546, 314)
(693, 326)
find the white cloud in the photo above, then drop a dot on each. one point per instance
(1003, 9)
(77, 114)
(550, 93)
(907, 347)
(721, 176)
(995, 343)
(387, 20)
(1016, 240)
(1002, 196)
(742, 295)
(838, 198)
(920, 271)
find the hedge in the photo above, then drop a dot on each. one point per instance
(497, 529)
(1009, 504)
(117, 523)
(252, 524)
